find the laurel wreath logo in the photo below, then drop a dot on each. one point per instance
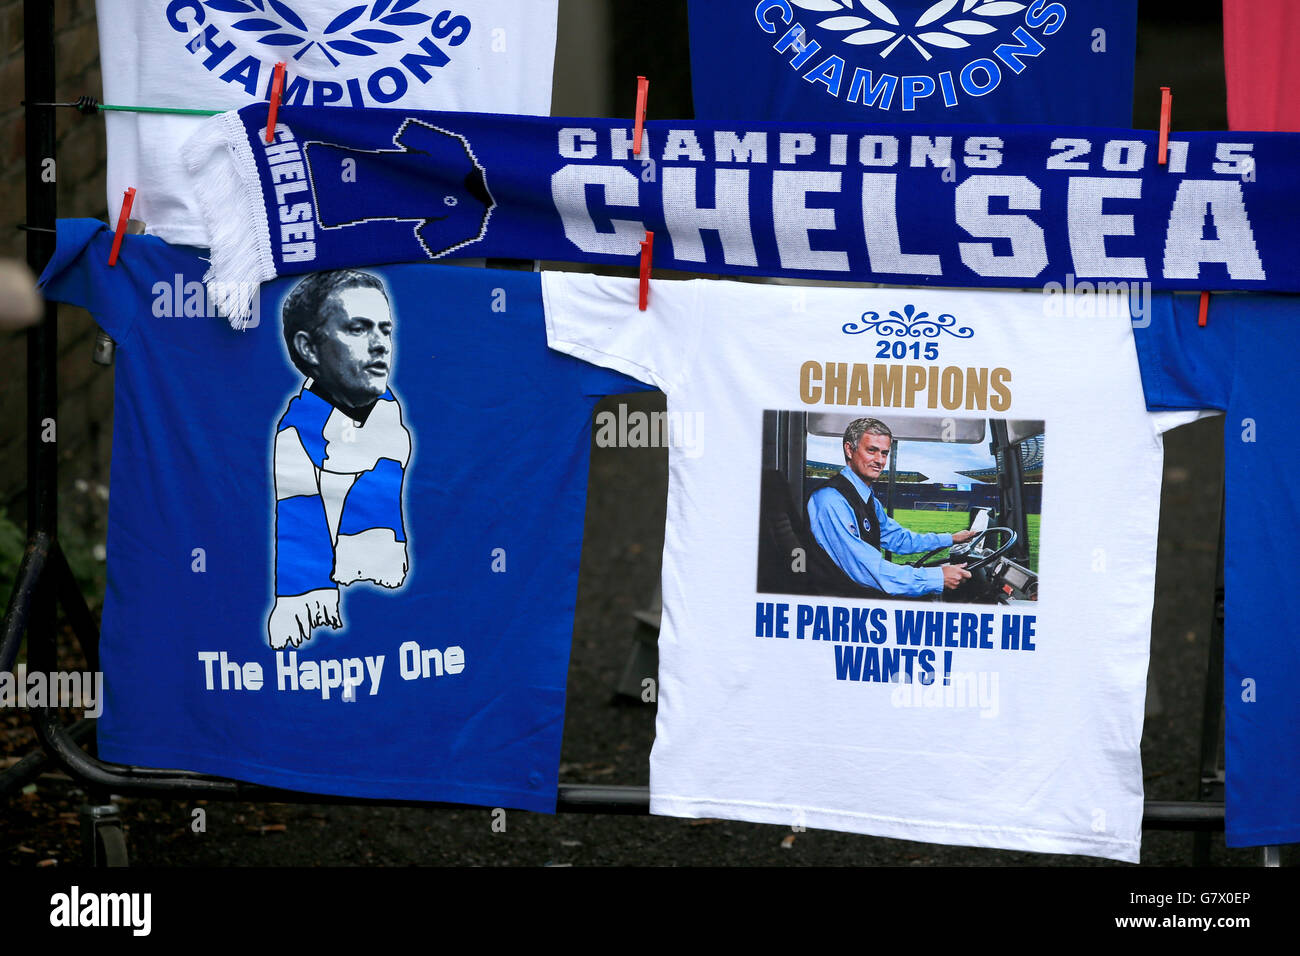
(357, 31)
(909, 324)
(950, 34)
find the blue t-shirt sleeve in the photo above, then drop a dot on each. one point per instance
(1184, 365)
(600, 382)
(78, 274)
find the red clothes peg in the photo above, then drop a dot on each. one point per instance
(123, 217)
(277, 90)
(647, 253)
(642, 89)
(1203, 315)
(1166, 114)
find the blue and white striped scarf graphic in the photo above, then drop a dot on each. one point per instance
(338, 510)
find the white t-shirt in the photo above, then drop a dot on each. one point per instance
(489, 56)
(1021, 725)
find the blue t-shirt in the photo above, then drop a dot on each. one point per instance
(1243, 363)
(356, 578)
(914, 61)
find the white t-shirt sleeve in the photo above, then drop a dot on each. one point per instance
(1165, 421)
(597, 319)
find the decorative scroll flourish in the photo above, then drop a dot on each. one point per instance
(909, 324)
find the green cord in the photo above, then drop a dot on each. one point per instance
(158, 109)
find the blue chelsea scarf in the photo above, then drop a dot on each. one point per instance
(1062, 209)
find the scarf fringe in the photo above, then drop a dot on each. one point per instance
(221, 163)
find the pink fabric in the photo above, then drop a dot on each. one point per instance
(1261, 57)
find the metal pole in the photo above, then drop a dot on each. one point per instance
(1212, 784)
(42, 339)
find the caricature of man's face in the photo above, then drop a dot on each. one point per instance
(352, 350)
